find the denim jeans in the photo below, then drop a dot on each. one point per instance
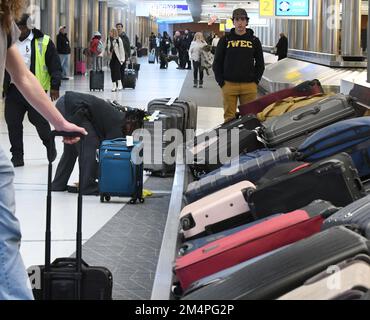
(14, 284)
(64, 61)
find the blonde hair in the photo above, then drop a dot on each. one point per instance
(199, 36)
(114, 32)
(9, 10)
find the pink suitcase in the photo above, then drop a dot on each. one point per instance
(80, 67)
(219, 211)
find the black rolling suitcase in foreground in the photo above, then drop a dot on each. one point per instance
(69, 278)
(97, 80)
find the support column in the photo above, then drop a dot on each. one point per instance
(315, 28)
(330, 26)
(351, 28)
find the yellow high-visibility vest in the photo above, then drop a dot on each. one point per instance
(41, 70)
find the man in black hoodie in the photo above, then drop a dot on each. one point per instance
(64, 50)
(41, 57)
(238, 64)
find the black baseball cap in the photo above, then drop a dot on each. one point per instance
(240, 13)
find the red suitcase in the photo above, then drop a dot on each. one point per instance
(252, 242)
(307, 88)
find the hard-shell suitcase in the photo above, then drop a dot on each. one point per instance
(353, 273)
(212, 154)
(151, 58)
(306, 88)
(284, 271)
(291, 129)
(159, 142)
(224, 209)
(129, 79)
(120, 170)
(80, 67)
(96, 80)
(249, 122)
(334, 179)
(251, 242)
(188, 108)
(351, 136)
(68, 278)
(255, 166)
(356, 214)
(192, 245)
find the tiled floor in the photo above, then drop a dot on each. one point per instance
(30, 181)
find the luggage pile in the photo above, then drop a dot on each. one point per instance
(290, 210)
(169, 116)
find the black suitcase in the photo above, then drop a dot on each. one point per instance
(161, 161)
(129, 79)
(96, 80)
(287, 269)
(291, 129)
(216, 151)
(356, 214)
(69, 278)
(334, 179)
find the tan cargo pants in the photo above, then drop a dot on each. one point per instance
(245, 91)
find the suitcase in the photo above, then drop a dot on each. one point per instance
(356, 214)
(252, 169)
(129, 79)
(188, 108)
(334, 179)
(192, 245)
(134, 66)
(353, 273)
(212, 154)
(249, 122)
(291, 129)
(96, 80)
(206, 281)
(81, 67)
(120, 170)
(285, 270)
(252, 242)
(68, 278)
(162, 160)
(307, 88)
(151, 58)
(351, 136)
(224, 209)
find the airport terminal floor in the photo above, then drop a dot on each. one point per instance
(126, 239)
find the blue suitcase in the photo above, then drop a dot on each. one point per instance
(120, 170)
(350, 136)
(252, 170)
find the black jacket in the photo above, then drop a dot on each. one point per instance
(106, 121)
(52, 62)
(239, 58)
(282, 48)
(63, 45)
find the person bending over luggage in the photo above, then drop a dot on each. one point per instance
(103, 122)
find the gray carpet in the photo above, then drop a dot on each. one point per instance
(209, 96)
(129, 244)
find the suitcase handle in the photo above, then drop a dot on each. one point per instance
(314, 111)
(48, 213)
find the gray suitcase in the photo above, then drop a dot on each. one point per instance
(160, 158)
(186, 108)
(357, 214)
(291, 129)
(284, 271)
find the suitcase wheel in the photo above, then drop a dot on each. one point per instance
(133, 201)
(141, 200)
(106, 198)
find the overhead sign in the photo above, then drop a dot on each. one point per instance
(267, 8)
(295, 8)
(286, 9)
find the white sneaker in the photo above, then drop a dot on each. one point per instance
(114, 90)
(120, 89)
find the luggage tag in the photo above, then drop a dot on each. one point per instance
(154, 116)
(129, 141)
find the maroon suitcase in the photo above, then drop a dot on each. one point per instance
(307, 88)
(252, 242)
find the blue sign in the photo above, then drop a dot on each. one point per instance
(292, 8)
